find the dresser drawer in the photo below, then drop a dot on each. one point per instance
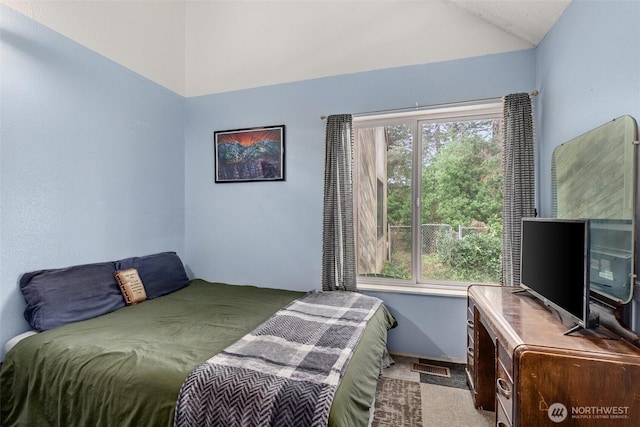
(481, 358)
(501, 417)
(506, 360)
(504, 381)
(504, 390)
(471, 343)
(471, 363)
(471, 368)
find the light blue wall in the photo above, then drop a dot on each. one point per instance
(91, 160)
(588, 69)
(269, 234)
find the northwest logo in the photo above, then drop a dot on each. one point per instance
(557, 412)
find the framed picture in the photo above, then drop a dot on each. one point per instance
(252, 154)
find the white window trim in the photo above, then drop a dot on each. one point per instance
(434, 288)
(421, 289)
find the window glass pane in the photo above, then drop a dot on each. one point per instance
(461, 201)
(383, 158)
(428, 196)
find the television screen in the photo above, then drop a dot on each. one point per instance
(555, 264)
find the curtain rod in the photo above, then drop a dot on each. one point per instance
(418, 107)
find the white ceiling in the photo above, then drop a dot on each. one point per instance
(202, 47)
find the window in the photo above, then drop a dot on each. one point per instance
(428, 196)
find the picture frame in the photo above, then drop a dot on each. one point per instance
(249, 154)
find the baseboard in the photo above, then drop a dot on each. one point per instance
(441, 359)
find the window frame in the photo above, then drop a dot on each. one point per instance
(468, 111)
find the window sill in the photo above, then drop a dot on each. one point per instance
(441, 291)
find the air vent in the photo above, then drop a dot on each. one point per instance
(439, 371)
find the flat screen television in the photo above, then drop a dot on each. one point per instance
(554, 265)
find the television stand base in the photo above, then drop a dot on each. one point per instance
(574, 329)
(594, 322)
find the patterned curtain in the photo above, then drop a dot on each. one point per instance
(338, 242)
(519, 181)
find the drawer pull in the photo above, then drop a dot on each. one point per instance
(500, 424)
(503, 388)
(470, 351)
(470, 323)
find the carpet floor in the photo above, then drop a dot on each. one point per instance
(413, 393)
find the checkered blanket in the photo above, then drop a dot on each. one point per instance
(283, 373)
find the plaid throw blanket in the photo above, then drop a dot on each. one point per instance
(285, 372)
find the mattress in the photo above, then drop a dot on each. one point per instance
(15, 340)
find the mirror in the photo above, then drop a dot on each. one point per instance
(594, 176)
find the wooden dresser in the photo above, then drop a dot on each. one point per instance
(522, 366)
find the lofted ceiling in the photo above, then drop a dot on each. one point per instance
(202, 47)
(525, 19)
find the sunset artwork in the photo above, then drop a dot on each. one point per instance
(254, 154)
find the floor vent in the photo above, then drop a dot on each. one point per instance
(440, 371)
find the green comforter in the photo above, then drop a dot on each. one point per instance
(126, 368)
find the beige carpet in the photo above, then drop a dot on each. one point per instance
(404, 401)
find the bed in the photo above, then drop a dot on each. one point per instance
(126, 367)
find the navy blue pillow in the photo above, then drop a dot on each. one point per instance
(160, 273)
(66, 295)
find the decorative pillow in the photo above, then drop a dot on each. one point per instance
(161, 273)
(66, 295)
(131, 286)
